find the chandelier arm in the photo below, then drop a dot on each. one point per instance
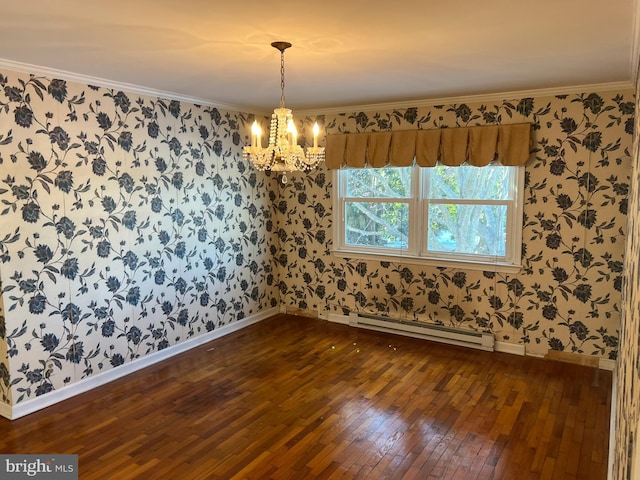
(283, 153)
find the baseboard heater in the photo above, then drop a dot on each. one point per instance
(436, 333)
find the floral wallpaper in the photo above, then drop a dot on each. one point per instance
(127, 224)
(567, 297)
(627, 408)
(5, 381)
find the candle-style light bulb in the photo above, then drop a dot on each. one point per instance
(316, 131)
(256, 131)
(291, 128)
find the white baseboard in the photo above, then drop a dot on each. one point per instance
(499, 346)
(513, 348)
(607, 364)
(99, 379)
(503, 347)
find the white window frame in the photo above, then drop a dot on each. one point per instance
(416, 252)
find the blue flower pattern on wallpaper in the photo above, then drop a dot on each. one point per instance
(566, 297)
(628, 367)
(129, 224)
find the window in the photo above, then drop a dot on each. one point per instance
(441, 215)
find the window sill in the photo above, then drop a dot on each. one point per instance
(433, 262)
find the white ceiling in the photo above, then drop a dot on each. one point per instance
(345, 52)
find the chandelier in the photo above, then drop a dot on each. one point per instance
(283, 153)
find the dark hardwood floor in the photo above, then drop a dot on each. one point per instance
(298, 398)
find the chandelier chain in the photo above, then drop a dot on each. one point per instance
(283, 154)
(282, 79)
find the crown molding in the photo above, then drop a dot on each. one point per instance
(490, 97)
(127, 87)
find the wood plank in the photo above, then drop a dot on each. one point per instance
(293, 398)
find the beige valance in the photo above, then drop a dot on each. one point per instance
(508, 145)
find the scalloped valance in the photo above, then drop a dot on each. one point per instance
(508, 145)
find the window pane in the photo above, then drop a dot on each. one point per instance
(469, 229)
(466, 182)
(374, 224)
(379, 182)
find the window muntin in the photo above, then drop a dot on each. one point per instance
(443, 214)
